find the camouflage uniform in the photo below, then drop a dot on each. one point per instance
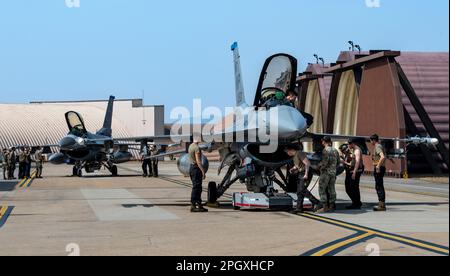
(28, 162)
(22, 163)
(5, 164)
(39, 158)
(330, 160)
(154, 162)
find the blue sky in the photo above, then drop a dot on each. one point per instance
(177, 50)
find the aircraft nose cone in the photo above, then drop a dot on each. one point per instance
(67, 143)
(57, 158)
(291, 123)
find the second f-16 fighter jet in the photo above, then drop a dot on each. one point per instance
(90, 151)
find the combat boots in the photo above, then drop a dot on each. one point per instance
(298, 210)
(381, 207)
(198, 208)
(201, 208)
(332, 208)
(323, 210)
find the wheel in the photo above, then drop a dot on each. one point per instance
(114, 170)
(80, 172)
(75, 171)
(212, 192)
(155, 169)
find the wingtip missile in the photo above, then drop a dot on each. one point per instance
(424, 140)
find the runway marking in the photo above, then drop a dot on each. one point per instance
(332, 248)
(25, 183)
(364, 234)
(5, 211)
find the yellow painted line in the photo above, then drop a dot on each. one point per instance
(327, 250)
(24, 183)
(419, 244)
(21, 183)
(3, 210)
(380, 234)
(343, 224)
(27, 182)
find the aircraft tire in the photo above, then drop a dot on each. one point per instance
(114, 170)
(155, 170)
(212, 192)
(74, 171)
(80, 172)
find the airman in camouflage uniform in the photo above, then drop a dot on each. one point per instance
(154, 162)
(22, 163)
(5, 164)
(328, 165)
(28, 161)
(39, 159)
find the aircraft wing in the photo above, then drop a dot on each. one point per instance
(337, 137)
(392, 145)
(232, 135)
(165, 139)
(204, 147)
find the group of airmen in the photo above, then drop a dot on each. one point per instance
(149, 163)
(350, 156)
(21, 159)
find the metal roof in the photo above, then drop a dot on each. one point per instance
(429, 75)
(35, 124)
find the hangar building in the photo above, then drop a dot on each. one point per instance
(394, 94)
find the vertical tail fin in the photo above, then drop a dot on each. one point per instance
(239, 83)
(107, 124)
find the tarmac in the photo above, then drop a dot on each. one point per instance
(62, 215)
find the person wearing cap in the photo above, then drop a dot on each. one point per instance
(354, 169)
(379, 163)
(302, 170)
(328, 165)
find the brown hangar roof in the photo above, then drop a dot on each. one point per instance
(428, 74)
